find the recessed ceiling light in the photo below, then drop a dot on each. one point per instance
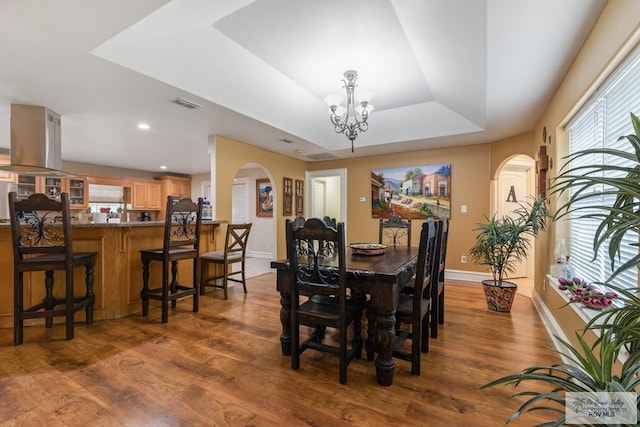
(144, 126)
(163, 167)
(287, 140)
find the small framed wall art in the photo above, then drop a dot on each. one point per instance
(287, 207)
(299, 197)
(264, 197)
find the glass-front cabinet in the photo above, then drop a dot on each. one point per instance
(26, 186)
(78, 193)
(53, 187)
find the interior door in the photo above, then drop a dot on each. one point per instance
(514, 188)
(240, 201)
(318, 199)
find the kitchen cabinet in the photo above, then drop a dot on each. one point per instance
(78, 192)
(53, 187)
(172, 186)
(175, 186)
(27, 185)
(4, 175)
(154, 199)
(145, 195)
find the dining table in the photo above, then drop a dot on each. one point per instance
(381, 277)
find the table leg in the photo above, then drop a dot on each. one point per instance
(385, 337)
(285, 319)
(370, 344)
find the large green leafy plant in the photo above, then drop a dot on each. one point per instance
(591, 367)
(503, 242)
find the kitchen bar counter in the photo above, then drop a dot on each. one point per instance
(5, 223)
(118, 269)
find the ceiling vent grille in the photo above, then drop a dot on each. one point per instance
(322, 156)
(185, 103)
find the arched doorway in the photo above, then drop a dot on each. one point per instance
(515, 185)
(261, 248)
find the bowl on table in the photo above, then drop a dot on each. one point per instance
(368, 249)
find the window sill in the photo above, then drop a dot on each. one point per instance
(584, 312)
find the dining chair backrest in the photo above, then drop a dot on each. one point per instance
(443, 248)
(296, 222)
(395, 231)
(437, 256)
(330, 221)
(426, 263)
(437, 283)
(308, 241)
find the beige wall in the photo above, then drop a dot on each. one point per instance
(261, 241)
(230, 156)
(469, 186)
(503, 150)
(470, 183)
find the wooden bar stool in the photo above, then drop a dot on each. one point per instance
(41, 236)
(181, 242)
(235, 251)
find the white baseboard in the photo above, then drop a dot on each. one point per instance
(255, 254)
(553, 328)
(466, 276)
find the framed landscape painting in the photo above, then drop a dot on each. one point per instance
(411, 192)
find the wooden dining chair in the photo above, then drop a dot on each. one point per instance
(181, 242)
(234, 252)
(395, 231)
(413, 312)
(437, 286)
(319, 294)
(42, 242)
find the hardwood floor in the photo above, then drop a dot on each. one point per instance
(223, 366)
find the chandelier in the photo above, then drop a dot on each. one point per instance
(353, 118)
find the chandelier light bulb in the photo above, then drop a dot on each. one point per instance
(333, 99)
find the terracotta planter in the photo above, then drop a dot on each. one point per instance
(499, 298)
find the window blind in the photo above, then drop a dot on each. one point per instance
(599, 125)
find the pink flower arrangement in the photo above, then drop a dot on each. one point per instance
(588, 294)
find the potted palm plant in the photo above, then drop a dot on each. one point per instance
(503, 242)
(590, 368)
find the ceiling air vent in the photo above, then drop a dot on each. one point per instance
(322, 156)
(185, 103)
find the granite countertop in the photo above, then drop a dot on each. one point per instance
(126, 224)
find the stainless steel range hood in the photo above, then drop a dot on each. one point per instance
(36, 144)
